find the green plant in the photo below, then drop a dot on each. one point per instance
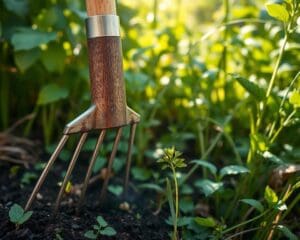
(18, 216)
(101, 228)
(171, 159)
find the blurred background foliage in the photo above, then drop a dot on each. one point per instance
(177, 59)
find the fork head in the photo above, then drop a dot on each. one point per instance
(109, 108)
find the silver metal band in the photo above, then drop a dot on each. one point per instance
(102, 26)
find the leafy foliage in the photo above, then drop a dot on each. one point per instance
(189, 84)
(171, 159)
(101, 228)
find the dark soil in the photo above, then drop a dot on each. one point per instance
(138, 223)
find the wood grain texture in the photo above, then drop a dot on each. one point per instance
(107, 83)
(100, 7)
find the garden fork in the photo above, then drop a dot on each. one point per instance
(109, 109)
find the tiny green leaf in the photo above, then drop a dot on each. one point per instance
(101, 221)
(116, 190)
(171, 201)
(90, 234)
(205, 222)
(254, 203)
(270, 196)
(96, 227)
(277, 11)
(109, 231)
(151, 186)
(287, 232)
(207, 165)
(16, 212)
(233, 170)
(25, 217)
(273, 158)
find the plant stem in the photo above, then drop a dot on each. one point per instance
(283, 101)
(155, 8)
(212, 145)
(242, 232)
(293, 203)
(176, 202)
(282, 126)
(273, 78)
(246, 222)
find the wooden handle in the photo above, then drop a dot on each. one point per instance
(107, 84)
(100, 7)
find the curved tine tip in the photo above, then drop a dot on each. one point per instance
(46, 170)
(129, 156)
(70, 169)
(90, 167)
(110, 163)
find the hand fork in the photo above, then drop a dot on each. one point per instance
(109, 109)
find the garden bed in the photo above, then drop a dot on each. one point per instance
(137, 223)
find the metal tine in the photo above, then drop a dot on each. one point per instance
(90, 168)
(70, 169)
(129, 155)
(45, 172)
(110, 162)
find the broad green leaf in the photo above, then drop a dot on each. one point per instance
(25, 59)
(205, 222)
(287, 232)
(207, 165)
(116, 190)
(171, 201)
(51, 93)
(25, 217)
(270, 196)
(19, 7)
(140, 174)
(15, 213)
(109, 231)
(101, 221)
(277, 11)
(252, 88)
(90, 235)
(53, 58)
(295, 99)
(233, 170)
(26, 38)
(208, 187)
(254, 203)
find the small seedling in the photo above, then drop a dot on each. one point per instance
(101, 228)
(171, 159)
(18, 216)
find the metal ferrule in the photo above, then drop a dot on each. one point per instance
(103, 26)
